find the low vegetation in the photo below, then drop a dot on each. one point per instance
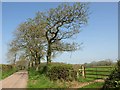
(7, 70)
(95, 85)
(81, 79)
(38, 80)
(62, 72)
(59, 75)
(113, 81)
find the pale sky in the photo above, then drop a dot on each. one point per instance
(99, 37)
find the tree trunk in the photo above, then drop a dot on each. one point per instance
(14, 59)
(35, 62)
(49, 53)
(38, 60)
(38, 63)
(32, 64)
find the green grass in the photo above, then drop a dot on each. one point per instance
(37, 80)
(0, 71)
(40, 81)
(81, 79)
(7, 73)
(106, 70)
(94, 85)
(6, 70)
(96, 71)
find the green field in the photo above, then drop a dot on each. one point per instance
(98, 72)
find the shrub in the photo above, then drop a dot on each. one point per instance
(42, 68)
(6, 67)
(113, 81)
(61, 72)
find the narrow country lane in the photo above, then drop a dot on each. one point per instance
(16, 80)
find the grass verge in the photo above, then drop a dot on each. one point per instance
(37, 80)
(94, 85)
(81, 79)
(7, 73)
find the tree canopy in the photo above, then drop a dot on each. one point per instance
(45, 34)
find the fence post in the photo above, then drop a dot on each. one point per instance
(83, 71)
(77, 74)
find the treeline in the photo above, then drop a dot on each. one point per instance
(107, 62)
(43, 37)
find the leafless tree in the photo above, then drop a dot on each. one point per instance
(62, 23)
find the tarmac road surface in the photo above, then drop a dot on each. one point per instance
(16, 80)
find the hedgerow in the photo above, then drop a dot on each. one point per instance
(61, 72)
(58, 71)
(113, 81)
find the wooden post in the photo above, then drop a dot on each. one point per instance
(83, 71)
(77, 74)
(30, 64)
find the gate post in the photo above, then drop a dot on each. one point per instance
(83, 71)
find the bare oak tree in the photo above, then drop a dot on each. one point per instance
(63, 22)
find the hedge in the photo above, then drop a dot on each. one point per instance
(58, 71)
(61, 72)
(113, 81)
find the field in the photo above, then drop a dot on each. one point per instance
(99, 72)
(93, 73)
